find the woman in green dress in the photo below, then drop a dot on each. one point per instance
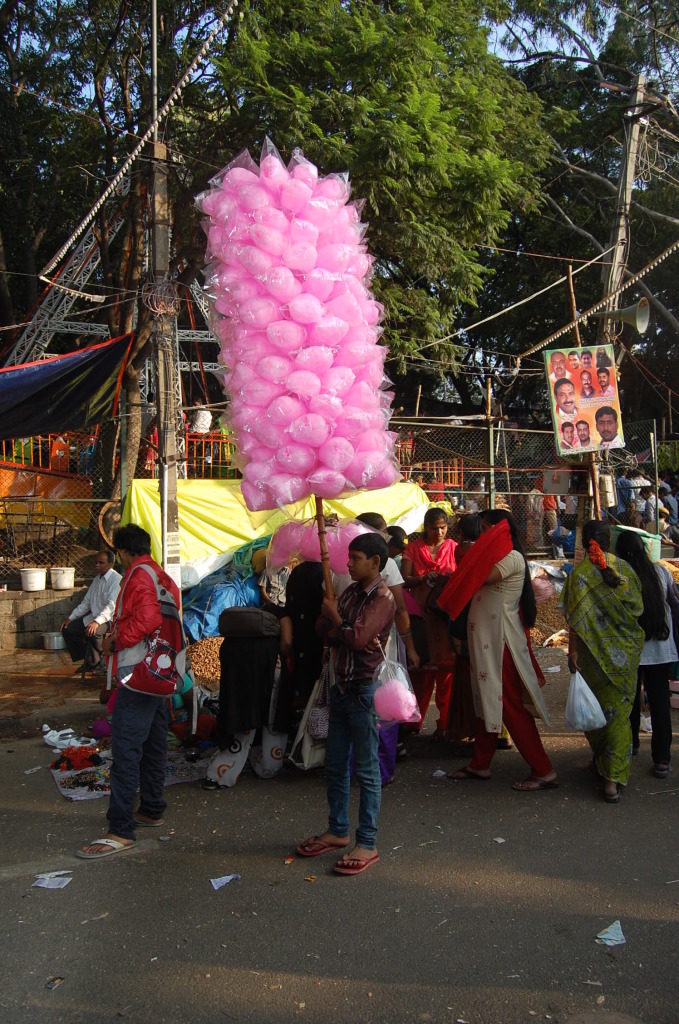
(602, 602)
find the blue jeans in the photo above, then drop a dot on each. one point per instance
(139, 746)
(353, 723)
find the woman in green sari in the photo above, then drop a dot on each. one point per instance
(602, 602)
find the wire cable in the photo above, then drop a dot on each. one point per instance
(603, 302)
(521, 302)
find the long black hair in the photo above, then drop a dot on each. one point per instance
(653, 622)
(528, 605)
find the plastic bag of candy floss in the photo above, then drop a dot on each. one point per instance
(394, 697)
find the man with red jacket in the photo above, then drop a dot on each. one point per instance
(140, 720)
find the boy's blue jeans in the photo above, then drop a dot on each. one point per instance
(353, 723)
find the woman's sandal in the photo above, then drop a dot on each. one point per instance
(467, 775)
(535, 785)
(613, 798)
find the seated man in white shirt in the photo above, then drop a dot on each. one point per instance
(89, 621)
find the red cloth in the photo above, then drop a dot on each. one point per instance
(424, 680)
(419, 554)
(520, 725)
(490, 548)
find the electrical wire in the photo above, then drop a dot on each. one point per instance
(536, 255)
(643, 24)
(646, 373)
(656, 261)
(515, 305)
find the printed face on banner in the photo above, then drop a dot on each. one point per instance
(583, 391)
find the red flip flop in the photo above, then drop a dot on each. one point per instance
(315, 847)
(355, 865)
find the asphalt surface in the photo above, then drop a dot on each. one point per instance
(484, 908)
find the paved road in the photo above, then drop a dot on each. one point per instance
(452, 925)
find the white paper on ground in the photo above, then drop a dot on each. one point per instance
(217, 883)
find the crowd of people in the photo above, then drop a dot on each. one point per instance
(455, 605)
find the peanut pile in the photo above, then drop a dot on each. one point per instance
(204, 660)
(549, 620)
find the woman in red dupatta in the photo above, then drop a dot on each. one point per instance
(494, 578)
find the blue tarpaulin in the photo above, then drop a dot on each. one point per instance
(204, 603)
(63, 393)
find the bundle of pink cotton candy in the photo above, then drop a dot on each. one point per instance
(300, 540)
(395, 702)
(298, 329)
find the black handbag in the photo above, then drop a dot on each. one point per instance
(432, 602)
(457, 628)
(245, 622)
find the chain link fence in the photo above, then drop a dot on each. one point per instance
(480, 465)
(51, 496)
(53, 499)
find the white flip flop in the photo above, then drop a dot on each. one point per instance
(114, 846)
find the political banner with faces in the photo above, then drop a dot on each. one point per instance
(583, 393)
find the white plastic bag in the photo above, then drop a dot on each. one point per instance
(394, 698)
(583, 711)
(306, 752)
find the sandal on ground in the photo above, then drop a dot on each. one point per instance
(534, 785)
(355, 865)
(613, 798)
(145, 822)
(467, 775)
(661, 771)
(112, 846)
(314, 846)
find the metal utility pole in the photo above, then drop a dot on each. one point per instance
(620, 238)
(161, 297)
(612, 276)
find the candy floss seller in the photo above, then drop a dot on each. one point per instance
(298, 328)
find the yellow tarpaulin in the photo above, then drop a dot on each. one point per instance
(214, 521)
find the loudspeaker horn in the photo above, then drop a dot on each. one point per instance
(637, 315)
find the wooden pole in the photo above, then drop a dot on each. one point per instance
(325, 557)
(591, 457)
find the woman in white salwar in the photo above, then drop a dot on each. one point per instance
(505, 676)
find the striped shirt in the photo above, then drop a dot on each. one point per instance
(367, 615)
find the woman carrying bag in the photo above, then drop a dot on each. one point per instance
(658, 653)
(602, 604)
(504, 674)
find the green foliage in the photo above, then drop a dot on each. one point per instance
(437, 138)
(586, 87)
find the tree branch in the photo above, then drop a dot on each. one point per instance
(575, 227)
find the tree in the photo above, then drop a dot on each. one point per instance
(583, 64)
(443, 144)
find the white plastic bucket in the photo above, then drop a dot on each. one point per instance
(62, 578)
(33, 579)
